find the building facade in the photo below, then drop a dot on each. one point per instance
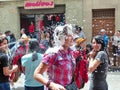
(91, 15)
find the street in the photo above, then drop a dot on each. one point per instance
(113, 80)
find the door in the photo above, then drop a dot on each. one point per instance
(103, 23)
(103, 19)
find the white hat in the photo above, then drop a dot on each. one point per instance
(102, 30)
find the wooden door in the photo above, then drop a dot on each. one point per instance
(103, 23)
(103, 19)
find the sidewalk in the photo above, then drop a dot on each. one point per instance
(19, 85)
(113, 79)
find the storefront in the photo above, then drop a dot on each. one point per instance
(15, 15)
(42, 18)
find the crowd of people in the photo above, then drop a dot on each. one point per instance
(61, 53)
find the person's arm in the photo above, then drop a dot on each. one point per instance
(24, 62)
(96, 58)
(23, 69)
(38, 75)
(93, 64)
(7, 71)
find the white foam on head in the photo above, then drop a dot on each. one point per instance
(60, 33)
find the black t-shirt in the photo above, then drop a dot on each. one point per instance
(3, 63)
(101, 71)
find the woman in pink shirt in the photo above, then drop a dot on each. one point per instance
(59, 62)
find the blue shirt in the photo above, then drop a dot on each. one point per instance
(81, 34)
(106, 40)
(30, 67)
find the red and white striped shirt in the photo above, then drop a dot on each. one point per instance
(61, 66)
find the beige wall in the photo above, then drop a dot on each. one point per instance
(101, 4)
(9, 18)
(87, 17)
(73, 10)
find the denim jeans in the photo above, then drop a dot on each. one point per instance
(34, 88)
(5, 86)
(71, 86)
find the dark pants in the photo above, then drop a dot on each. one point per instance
(32, 35)
(115, 52)
(98, 85)
(5, 86)
(34, 88)
(71, 86)
(115, 48)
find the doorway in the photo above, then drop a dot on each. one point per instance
(25, 21)
(103, 19)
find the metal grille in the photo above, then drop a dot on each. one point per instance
(103, 13)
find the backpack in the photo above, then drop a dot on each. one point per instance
(81, 75)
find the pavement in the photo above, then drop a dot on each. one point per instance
(113, 80)
(19, 85)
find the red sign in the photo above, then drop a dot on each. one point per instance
(37, 4)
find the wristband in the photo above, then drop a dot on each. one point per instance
(48, 83)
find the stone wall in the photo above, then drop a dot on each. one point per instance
(9, 18)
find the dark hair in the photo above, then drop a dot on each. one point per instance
(76, 27)
(99, 40)
(12, 35)
(23, 29)
(34, 48)
(118, 31)
(2, 38)
(79, 28)
(89, 46)
(7, 32)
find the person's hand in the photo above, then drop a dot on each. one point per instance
(92, 54)
(54, 86)
(15, 68)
